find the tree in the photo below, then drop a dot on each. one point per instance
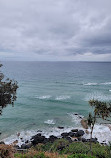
(102, 110)
(8, 90)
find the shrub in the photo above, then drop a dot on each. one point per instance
(59, 145)
(30, 155)
(43, 147)
(80, 156)
(76, 147)
(100, 151)
(6, 151)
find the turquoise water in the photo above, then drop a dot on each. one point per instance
(50, 92)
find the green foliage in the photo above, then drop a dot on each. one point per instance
(39, 155)
(80, 156)
(43, 147)
(100, 151)
(101, 109)
(59, 145)
(73, 150)
(76, 147)
(8, 90)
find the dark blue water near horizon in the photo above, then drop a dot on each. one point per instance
(50, 92)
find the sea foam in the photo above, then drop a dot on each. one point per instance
(43, 97)
(63, 97)
(94, 83)
(90, 84)
(101, 132)
(50, 122)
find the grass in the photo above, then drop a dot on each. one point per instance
(61, 148)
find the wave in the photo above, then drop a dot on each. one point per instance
(53, 99)
(106, 83)
(50, 122)
(94, 83)
(43, 97)
(62, 97)
(101, 132)
(76, 118)
(110, 90)
(90, 84)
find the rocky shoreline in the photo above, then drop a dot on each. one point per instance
(76, 134)
(73, 135)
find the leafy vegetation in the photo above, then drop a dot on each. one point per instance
(8, 90)
(72, 150)
(80, 156)
(101, 110)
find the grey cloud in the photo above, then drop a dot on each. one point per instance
(55, 28)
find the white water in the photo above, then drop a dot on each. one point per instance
(101, 132)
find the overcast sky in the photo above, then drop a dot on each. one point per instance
(51, 30)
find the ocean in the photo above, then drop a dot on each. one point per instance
(49, 95)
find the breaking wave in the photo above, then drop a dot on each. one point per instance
(50, 122)
(94, 83)
(62, 97)
(43, 97)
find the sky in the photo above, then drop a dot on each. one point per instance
(55, 30)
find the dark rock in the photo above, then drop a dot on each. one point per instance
(46, 140)
(94, 140)
(74, 130)
(60, 127)
(64, 134)
(60, 148)
(26, 142)
(38, 139)
(52, 138)
(79, 139)
(16, 147)
(76, 114)
(37, 135)
(75, 140)
(69, 139)
(2, 142)
(79, 133)
(39, 131)
(29, 145)
(83, 140)
(103, 144)
(71, 134)
(0, 133)
(26, 146)
(23, 146)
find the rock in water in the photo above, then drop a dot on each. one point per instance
(79, 133)
(38, 139)
(84, 123)
(64, 134)
(74, 130)
(52, 138)
(60, 127)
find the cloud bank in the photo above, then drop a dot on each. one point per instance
(55, 30)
